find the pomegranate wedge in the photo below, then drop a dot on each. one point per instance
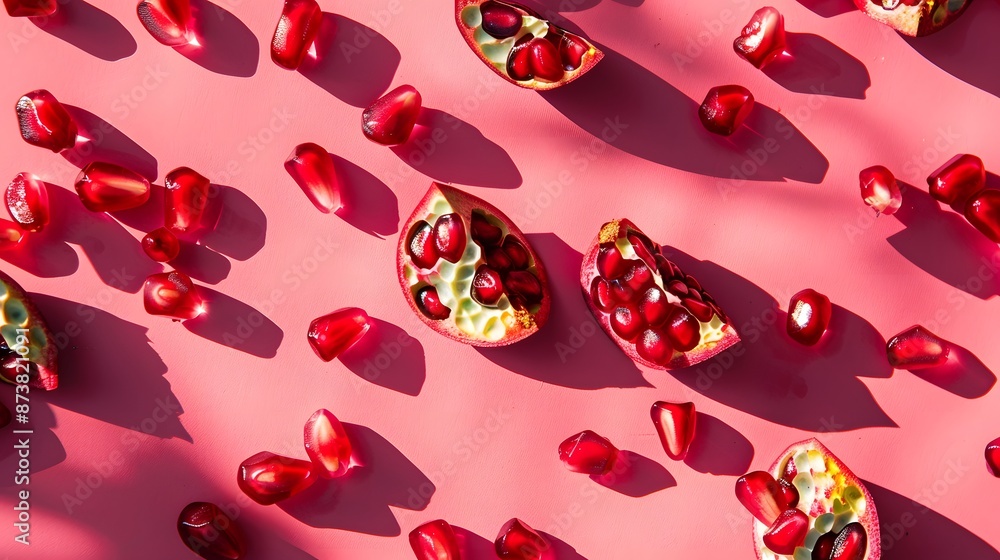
(30, 8)
(312, 169)
(521, 47)
(993, 457)
(763, 38)
(44, 122)
(983, 212)
(210, 533)
(468, 272)
(184, 199)
(588, 453)
(106, 187)
(390, 120)
(917, 348)
(914, 17)
(268, 478)
(296, 32)
(161, 245)
(880, 190)
(168, 21)
(659, 316)
(27, 347)
(518, 541)
(435, 540)
(327, 444)
(28, 201)
(725, 108)
(675, 424)
(331, 335)
(808, 317)
(172, 294)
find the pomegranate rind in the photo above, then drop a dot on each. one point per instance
(925, 18)
(17, 311)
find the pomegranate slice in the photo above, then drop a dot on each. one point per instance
(787, 532)
(30, 8)
(390, 120)
(106, 187)
(168, 21)
(685, 329)
(435, 540)
(588, 453)
(808, 316)
(161, 245)
(961, 177)
(44, 122)
(763, 38)
(913, 17)
(518, 541)
(210, 533)
(917, 348)
(28, 353)
(473, 301)
(725, 108)
(675, 423)
(10, 235)
(331, 335)
(172, 294)
(522, 48)
(185, 199)
(268, 478)
(880, 191)
(993, 457)
(27, 201)
(327, 444)
(761, 494)
(312, 169)
(296, 32)
(983, 212)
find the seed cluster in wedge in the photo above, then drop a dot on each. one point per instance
(26, 344)
(914, 17)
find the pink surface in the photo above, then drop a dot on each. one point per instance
(446, 431)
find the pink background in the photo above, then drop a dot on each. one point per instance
(478, 429)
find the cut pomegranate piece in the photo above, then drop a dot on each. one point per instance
(961, 177)
(983, 212)
(331, 335)
(435, 540)
(808, 316)
(168, 21)
(993, 457)
(30, 8)
(27, 348)
(327, 444)
(913, 17)
(11, 235)
(917, 348)
(725, 108)
(880, 190)
(522, 48)
(851, 543)
(210, 533)
(763, 38)
(296, 32)
(668, 312)
(27, 201)
(761, 494)
(312, 169)
(44, 122)
(675, 423)
(172, 294)
(390, 120)
(787, 532)
(518, 541)
(185, 199)
(268, 478)
(473, 302)
(106, 187)
(588, 453)
(161, 245)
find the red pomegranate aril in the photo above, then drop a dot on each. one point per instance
(654, 307)
(725, 108)
(600, 293)
(435, 540)
(268, 478)
(653, 346)
(487, 287)
(808, 317)
(789, 472)
(546, 63)
(571, 50)
(917, 348)
(484, 233)
(610, 263)
(422, 248)
(701, 311)
(11, 235)
(390, 120)
(588, 453)
(500, 20)
(692, 283)
(683, 330)
(851, 543)
(678, 288)
(168, 21)
(185, 199)
(296, 32)
(27, 201)
(983, 212)
(498, 260)
(519, 258)
(30, 8)
(761, 495)
(210, 533)
(790, 492)
(621, 291)
(880, 190)
(641, 248)
(627, 323)
(823, 549)
(312, 169)
(675, 424)
(763, 38)
(519, 60)
(638, 277)
(449, 237)
(518, 541)
(161, 245)
(331, 335)
(524, 284)
(172, 294)
(787, 532)
(106, 187)
(327, 444)
(430, 304)
(961, 177)
(44, 122)
(993, 457)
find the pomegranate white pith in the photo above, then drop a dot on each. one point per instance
(914, 17)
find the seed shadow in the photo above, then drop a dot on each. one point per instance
(550, 9)
(964, 375)
(261, 546)
(46, 449)
(389, 357)
(360, 501)
(572, 349)
(202, 263)
(234, 224)
(559, 549)
(353, 62)
(226, 45)
(829, 8)
(103, 142)
(369, 204)
(636, 476)
(718, 448)
(814, 65)
(473, 546)
(230, 322)
(44, 254)
(89, 29)
(150, 215)
(448, 149)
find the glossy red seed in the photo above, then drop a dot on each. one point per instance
(327, 444)
(210, 533)
(27, 201)
(485, 233)
(641, 246)
(959, 178)
(790, 492)
(44, 122)
(523, 284)
(546, 62)
(621, 291)
(518, 541)
(10, 235)
(185, 199)
(449, 237)
(627, 323)
(787, 532)
(675, 424)
(172, 294)
(161, 245)
(519, 257)
(588, 453)
(683, 329)
(725, 108)
(654, 307)
(30, 8)
(983, 212)
(823, 549)
(487, 287)
(106, 187)
(638, 277)
(331, 335)
(268, 478)
(654, 347)
(312, 169)
(763, 38)
(296, 32)
(390, 120)
(692, 283)
(168, 21)
(519, 60)
(572, 49)
(435, 540)
(917, 348)
(421, 248)
(430, 304)
(701, 311)
(498, 260)
(678, 288)
(788, 474)
(761, 495)
(808, 316)
(880, 190)
(500, 20)
(993, 457)
(610, 263)
(851, 543)
(600, 294)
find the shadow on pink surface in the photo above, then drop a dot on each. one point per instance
(636, 476)
(388, 357)
(104, 142)
(369, 204)
(234, 224)
(816, 66)
(719, 449)
(89, 29)
(46, 449)
(232, 323)
(964, 375)
(551, 8)
(829, 8)
(44, 254)
(226, 45)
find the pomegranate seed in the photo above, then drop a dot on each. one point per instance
(638, 277)
(161, 245)
(296, 32)
(331, 335)
(391, 118)
(484, 233)
(172, 294)
(621, 291)
(168, 21)
(268, 478)
(610, 263)
(30, 8)
(44, 122)
(683, 330)
(10, 235)
(210, 533)
(983, 212)
(763, 38)
(993, 457)
(692, 283)
(519, 257)
(27, 201)
(761, 495)
(327, 444)
(498, 260)
(430, 304)
(524, 284)
(106, 187)
(725, 108)
(627, 323)
(961, 177)
(518, 541)
(500, 20)
(808, 316)
(654, 307)
(588, 453)
(790, 492)
(546, 63)
(435, 540)
(600, 294)
(421, 247)
(880, 190)
(571, 50)
(654, 347)
(787, 532)
(823, 548)
(312, 169)
(917, 348)
(449, 237)
(487, 286)
(675, 423)
(790, 471)
(851, 543)
(185, 199)
(701, 311)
